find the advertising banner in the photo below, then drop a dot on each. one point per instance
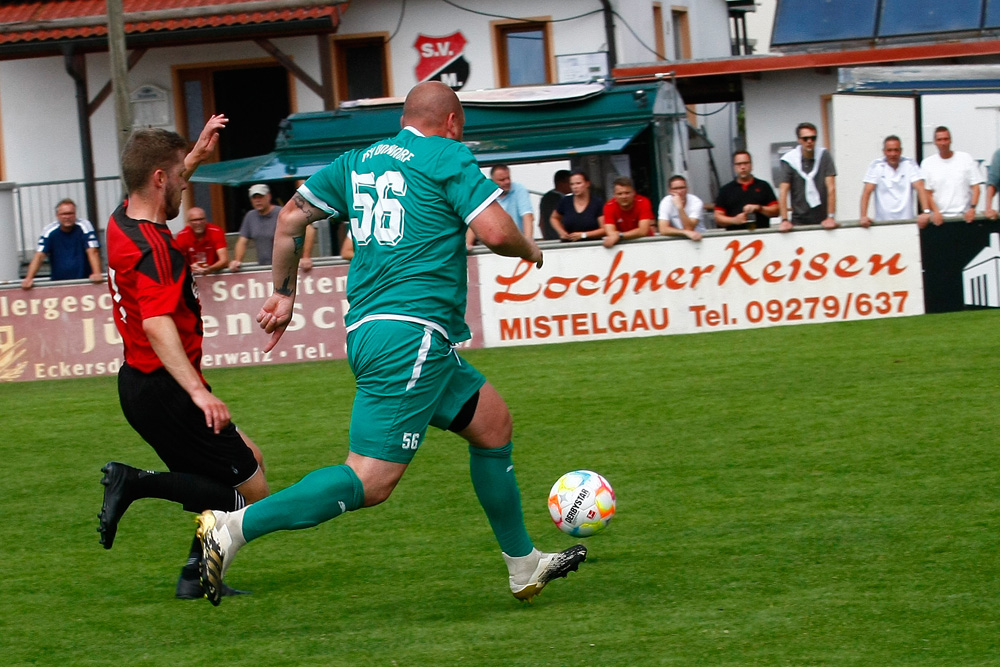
(67, 331)
(725, 282)
(649, 288)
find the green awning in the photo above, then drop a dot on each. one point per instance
(276, 166)
(547, 128)
(554, 144)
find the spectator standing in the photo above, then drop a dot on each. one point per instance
(746, 203)
(992, 185)
(952, 180)
(514, 199)
(203, 243)
(579, 216)
(894, 179)
(809, 180)
(258, 224)
(162, 391)
(680, 212)
(549, 202)
(71, 246)
(627, 215)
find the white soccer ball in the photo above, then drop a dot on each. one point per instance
(581, 503)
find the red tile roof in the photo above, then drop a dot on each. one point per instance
(22, 22)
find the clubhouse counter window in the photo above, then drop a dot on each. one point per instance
(523, 54)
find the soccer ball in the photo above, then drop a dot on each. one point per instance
(581, 503)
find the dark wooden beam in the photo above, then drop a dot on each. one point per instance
(290, 65)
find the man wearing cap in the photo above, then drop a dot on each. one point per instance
(258, 224)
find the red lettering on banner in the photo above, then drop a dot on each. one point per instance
(735, 264)
(522, 269)
(673, 279)
(771, 272)
(584, 324)
(844, 267)
(738, 267)
(587, 291)
(612, 278)
(817, 267)
(892, 264)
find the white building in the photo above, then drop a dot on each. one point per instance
(258, 61)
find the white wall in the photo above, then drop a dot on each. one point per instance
(760, 23)
(777, 102)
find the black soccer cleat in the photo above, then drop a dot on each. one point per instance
(191, 589)
(116, 499)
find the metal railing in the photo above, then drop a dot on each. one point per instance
(35, 207)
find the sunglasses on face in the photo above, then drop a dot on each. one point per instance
(811, 137)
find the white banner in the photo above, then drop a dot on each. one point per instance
(728, 282)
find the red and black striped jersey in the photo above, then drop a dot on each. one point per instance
(149, 277)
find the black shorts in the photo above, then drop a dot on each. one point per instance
(166, 417)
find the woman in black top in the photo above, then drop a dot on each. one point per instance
(579, 216)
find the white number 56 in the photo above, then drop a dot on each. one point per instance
(382, 214)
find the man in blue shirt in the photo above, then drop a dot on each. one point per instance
(71, 246)
(514, 200)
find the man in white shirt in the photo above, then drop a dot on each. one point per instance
(952, 180)
(893, 179)
(680, 212)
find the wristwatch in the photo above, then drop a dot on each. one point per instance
(584, 235)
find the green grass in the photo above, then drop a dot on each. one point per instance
(813, 495)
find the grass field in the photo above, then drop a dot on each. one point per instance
(812, 495)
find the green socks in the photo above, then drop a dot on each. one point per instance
(493, 478)
(319, 496)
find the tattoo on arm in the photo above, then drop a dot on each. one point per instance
(299, 241)
(285, 289)
(311, 212)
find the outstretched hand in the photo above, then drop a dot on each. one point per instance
(274, 317)
(204, 147)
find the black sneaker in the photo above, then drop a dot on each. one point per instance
(190, 589)
(116, 499)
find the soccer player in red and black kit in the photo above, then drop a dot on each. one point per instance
(163, 394)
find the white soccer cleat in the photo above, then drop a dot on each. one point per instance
(529, 574)
(217, 552)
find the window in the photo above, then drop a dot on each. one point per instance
(661, 42)
(523, 53)
(360, 66)
(682, 33)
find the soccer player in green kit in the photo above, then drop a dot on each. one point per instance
(410, 200)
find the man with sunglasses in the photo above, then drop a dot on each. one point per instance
(808, 179)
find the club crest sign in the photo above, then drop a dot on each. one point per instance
(442, 59)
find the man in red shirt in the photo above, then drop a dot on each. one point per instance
(203, 243)
(160, 386)
(627, 215)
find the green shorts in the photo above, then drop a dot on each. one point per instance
(408, 376)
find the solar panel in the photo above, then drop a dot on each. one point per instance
(805, 21)
(917, 17)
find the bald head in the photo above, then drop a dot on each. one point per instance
(434, 109)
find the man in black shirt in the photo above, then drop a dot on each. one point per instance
(549, 202)
(747, 202)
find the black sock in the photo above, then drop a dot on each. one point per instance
(190, 569)
(195, 492)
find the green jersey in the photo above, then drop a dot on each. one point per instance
(409, 200)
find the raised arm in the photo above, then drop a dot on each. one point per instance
(205, 146)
